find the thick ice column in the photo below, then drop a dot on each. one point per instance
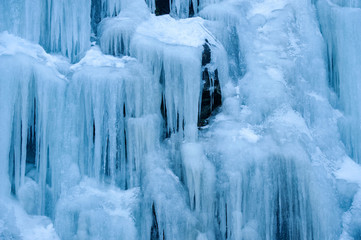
(172, 49)
(34, 102)
(230, 32)
(112, 8)
(57, 25)
(199, 177)
(165, 214)
(67, 29)
(340, 26)
(119, 123)
(23, 18)
(115, 33)
(183, 8)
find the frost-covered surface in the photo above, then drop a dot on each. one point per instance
(103, 140)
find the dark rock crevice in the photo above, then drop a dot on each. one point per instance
(154, 231)
(162, 7)
(211, 94)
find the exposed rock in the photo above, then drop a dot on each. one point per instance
(211, 93)
(162, 7)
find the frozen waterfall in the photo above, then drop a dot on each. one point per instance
(180, 119)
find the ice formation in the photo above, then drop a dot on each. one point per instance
(181, 119)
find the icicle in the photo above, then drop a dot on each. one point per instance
(339, 27)
(166, 214)
(67, 28)
(33, 80)
(199, 175)
(118, 122)
(57, 25)
(115, 33)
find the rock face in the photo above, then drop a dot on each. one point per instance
(162, 7)
(211, 93)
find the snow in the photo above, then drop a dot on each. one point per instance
(95, 58)
(349, 171)
(186, 32)
(16, 224)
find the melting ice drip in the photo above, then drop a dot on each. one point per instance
(125, 138)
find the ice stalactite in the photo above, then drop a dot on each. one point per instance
(165, 209)
(339, 25)
(199, 177)
(58, 26)
(67, 30)
(32, 92)
(113, 112)
(115, 33)
(340, 21)
(23, 18)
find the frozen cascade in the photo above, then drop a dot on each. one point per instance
(274, 113)
(339, 21)
(339, 25)
(115, 33)
(33, 95)
(57, 25)
(109, 91)
(215, 121)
